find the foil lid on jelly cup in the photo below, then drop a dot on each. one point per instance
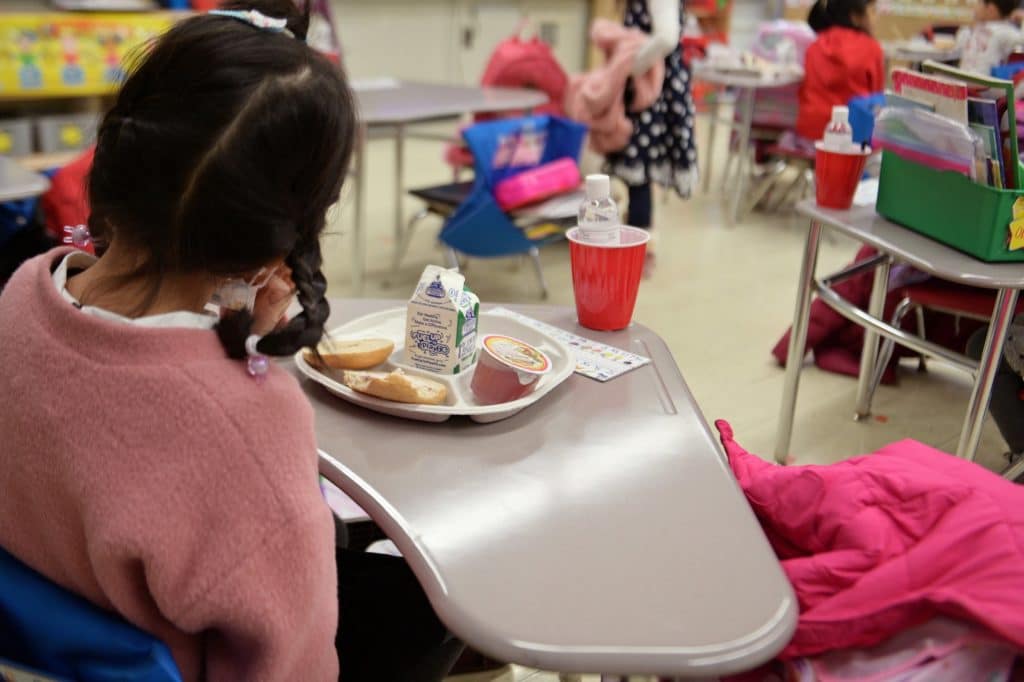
(517, 354)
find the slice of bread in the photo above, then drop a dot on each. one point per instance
(361, 354)
(397, 386)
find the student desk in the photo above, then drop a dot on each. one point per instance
(387, 107)
(747, 85)
(17, 183)
(599, 530)
(915, 53)
(894, 242)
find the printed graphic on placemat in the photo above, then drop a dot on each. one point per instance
(595, 360)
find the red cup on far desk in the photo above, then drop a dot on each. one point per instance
(837, 174)
(606, 278)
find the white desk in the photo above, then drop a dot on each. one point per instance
(388, 106)
(600, 530)
(17, 183)
(747, 85)
(897, 243)
(916, 52)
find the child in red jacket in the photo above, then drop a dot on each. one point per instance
(844, 62)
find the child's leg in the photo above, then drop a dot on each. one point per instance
(387, 628)
(1006, 406)
(639, 213)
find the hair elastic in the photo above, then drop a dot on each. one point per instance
(79, 237)
(257, 365)
(255, 18)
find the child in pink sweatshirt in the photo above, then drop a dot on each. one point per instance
(152, 459)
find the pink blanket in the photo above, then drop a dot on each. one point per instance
(877, 544)
(597, 98)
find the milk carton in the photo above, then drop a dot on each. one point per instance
(441, 323)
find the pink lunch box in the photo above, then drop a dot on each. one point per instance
(537, 184)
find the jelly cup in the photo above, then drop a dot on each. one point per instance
(508, 369)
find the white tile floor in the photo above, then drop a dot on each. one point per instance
(720, 296)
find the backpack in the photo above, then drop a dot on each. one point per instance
(519, 63)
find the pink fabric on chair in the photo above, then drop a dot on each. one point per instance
(878, 544)
(597, 98)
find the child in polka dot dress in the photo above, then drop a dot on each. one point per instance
(662, 148)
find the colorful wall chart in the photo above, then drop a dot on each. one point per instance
(66, 54)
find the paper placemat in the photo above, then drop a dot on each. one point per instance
(595, 360)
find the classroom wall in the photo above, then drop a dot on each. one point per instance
(747, 15)
(448, 40)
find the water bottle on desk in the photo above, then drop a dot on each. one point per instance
(599, 216)
(839, 132)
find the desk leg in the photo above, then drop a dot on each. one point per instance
(869, 354)
(743, 153)
(399, 188)
(797, 343)
(1002, 315)
(359, 220)
(716, 110)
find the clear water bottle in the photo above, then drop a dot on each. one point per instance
(599, 216)
(839, 133)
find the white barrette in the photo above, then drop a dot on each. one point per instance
(255, 18)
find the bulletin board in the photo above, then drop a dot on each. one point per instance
(903, 19)
(66, 54)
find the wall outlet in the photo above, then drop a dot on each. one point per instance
(548, 32)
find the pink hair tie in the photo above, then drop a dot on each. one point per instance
(79, 237)
(258, 364)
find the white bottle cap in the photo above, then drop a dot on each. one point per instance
(598, 187)
(841, 115)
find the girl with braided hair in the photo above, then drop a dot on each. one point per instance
(151, 459)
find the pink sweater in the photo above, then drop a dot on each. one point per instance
(144, 470)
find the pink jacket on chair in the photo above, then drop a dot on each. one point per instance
(877, 544)
(597, 98)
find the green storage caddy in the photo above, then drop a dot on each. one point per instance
(949, 207)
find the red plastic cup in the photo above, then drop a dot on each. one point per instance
(836, 175)
(606, 278)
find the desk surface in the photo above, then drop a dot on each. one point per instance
(600, 530)
(779, 79)
(392, 102)
(924, 253)
(18, 183)
(913, 52)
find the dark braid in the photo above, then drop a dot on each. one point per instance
(304, 330)
(307, 328)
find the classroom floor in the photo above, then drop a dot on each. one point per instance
(720, 296)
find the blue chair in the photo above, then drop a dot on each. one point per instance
(56, 635)
(475, 225)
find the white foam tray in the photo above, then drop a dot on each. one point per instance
(390, 324)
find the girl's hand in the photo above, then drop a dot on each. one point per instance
(272, 302)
